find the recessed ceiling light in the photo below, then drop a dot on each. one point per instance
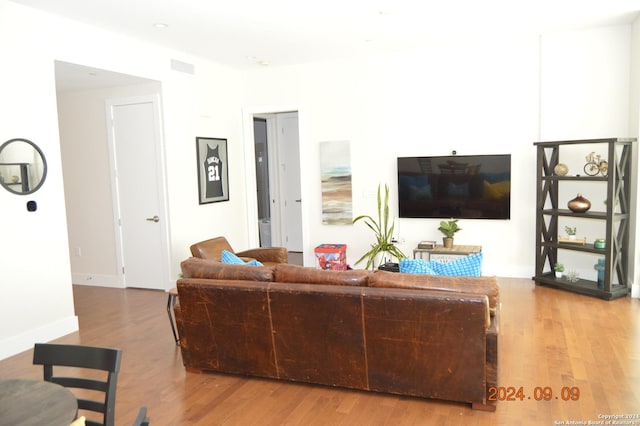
(160, 25)
(264, 63)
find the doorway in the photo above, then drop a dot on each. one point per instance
(278, 201)
(263, 194)
(93, 209)
(139, 203)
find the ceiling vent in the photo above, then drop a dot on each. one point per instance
(177, 65)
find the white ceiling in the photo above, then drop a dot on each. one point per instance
(249, 34)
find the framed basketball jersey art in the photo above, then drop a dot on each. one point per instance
(213, 177)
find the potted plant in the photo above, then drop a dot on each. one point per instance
(448, 229)
(571, 232)
(383, 231)
(559, 269)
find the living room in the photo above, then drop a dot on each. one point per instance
(512, 91)
(477, 96)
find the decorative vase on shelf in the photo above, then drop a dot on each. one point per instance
(447, 242)
(561, 169)
(579, 204)
(600, 268)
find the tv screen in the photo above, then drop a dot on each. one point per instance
(456, 186)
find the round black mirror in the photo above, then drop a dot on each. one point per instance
(22, 166)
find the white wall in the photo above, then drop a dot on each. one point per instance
(585, 94)
(34, 249)
(634, 130)
(585, 84)
(35, 275)
(475, 98)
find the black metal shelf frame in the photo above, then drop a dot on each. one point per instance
(616, 217)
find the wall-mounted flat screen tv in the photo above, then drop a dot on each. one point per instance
(456, 186)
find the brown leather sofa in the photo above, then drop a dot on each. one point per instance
(416, 335)
(212, 248)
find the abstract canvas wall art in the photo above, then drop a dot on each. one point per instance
(335, 171)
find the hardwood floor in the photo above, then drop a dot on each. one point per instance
(549, 339)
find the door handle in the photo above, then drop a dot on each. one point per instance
(153, 219)
(298, 200)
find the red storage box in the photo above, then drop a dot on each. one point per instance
(332, 256)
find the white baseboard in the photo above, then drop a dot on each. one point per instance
(635, 291)
(15, 344)
(97, 280)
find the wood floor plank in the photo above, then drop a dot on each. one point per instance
(548, 339)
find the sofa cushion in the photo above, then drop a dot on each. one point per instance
(467, 266)
(416, 266)
(232, 259)
(474, 285)
(286, 273)
(194, 267)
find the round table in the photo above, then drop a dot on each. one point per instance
(36, 402)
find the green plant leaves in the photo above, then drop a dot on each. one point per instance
(383, 231)
(449, 228)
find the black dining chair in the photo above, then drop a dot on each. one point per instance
(106, 359)
(142, 419)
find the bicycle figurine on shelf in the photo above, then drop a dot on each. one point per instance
(595, 164)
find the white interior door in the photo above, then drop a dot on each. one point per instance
(290, 188)
(139, 191)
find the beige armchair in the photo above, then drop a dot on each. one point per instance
(212, 250)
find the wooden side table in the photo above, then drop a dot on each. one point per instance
(443, 254)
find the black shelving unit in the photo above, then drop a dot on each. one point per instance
(616, 218)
